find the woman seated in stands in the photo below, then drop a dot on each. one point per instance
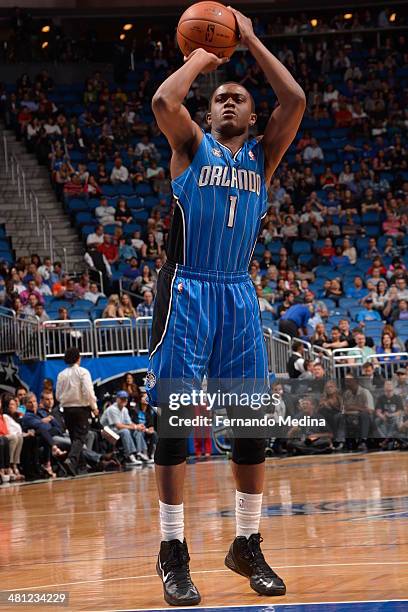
(123, 213)
(151, 249)
(113, 309)
(127, 307)
(129, 385)
(387, 348)
(379, 295)
(320, 336)
(15, 434)
(92, 189)
(334, 291)
(145, 282)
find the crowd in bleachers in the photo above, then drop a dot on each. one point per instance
(34, 441)
(335, 235)
(338, 203)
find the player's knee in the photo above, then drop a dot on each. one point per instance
(170, 451)
(248, 451)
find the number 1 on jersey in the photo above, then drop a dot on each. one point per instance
(232, 209)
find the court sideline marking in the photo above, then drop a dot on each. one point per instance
(213, 571)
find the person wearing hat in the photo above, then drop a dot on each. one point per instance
(131, 434)
(368, 313)
(75, 394)
(400, 380)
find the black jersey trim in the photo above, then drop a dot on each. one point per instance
(162, 310)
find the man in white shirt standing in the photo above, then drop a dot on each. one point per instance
(76, 395)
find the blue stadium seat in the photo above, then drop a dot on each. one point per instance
(300, 247)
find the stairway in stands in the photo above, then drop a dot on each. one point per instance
(17, 218)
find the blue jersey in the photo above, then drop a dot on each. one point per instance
(221, 199)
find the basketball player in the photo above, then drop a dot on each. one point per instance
(206, 316)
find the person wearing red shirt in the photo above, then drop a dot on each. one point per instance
(327, 251)
(343, 116)
(109, 249)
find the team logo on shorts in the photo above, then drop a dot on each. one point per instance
(217, 152)
(150, 380)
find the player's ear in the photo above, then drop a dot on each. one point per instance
(252, 119)
(208, 118)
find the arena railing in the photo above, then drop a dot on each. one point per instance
(28, 339)
(141, 333)
(278, 349)
(59, 335)
(7, 331)
(389, 362)
(42, 226)
(114, 336)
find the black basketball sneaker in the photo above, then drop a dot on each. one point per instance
(172, 567)
(246, 558)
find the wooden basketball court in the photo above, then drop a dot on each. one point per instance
(334, 527)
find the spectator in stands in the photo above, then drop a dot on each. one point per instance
(358, 403)
(361, 344)
(119, 174)
(70, 293)
(145, 282)
(73, 188)
(358, 291)
(145, 309)
(127, 307)
(95, 238)
(45, 428)
(349, 250)
(123, 213)
(368, 313)
(400, 380)
(113, 309)
(313, 152)
(41, 286)
(379, 296)
(104, 213)
(294, 321)
(335, 341)
(31, 290)
(109, 249)
(129, 385)
(82, 286)
(296, 363)
(386, 348)
(117, 417)
(151, 249)
(319, 337)
(264, 305)
(334, 291)
(29, 308)
(92, 189)
(395, 310)
(40, 313)
(388, 410)
(327, 251)
(93, 294)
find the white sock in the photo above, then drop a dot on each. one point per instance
(171, 521)
(247, 513)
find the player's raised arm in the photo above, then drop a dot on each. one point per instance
(173, 118)
(285, 119)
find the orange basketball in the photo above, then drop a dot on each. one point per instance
(209, 25)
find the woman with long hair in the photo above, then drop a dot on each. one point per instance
(15, 436)
(127, 307)
(113, 309)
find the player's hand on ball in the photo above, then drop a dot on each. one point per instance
(246, 29)
(210, 62)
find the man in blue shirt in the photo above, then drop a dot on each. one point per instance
(294, 320)
(368, 313)
(358, 291)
